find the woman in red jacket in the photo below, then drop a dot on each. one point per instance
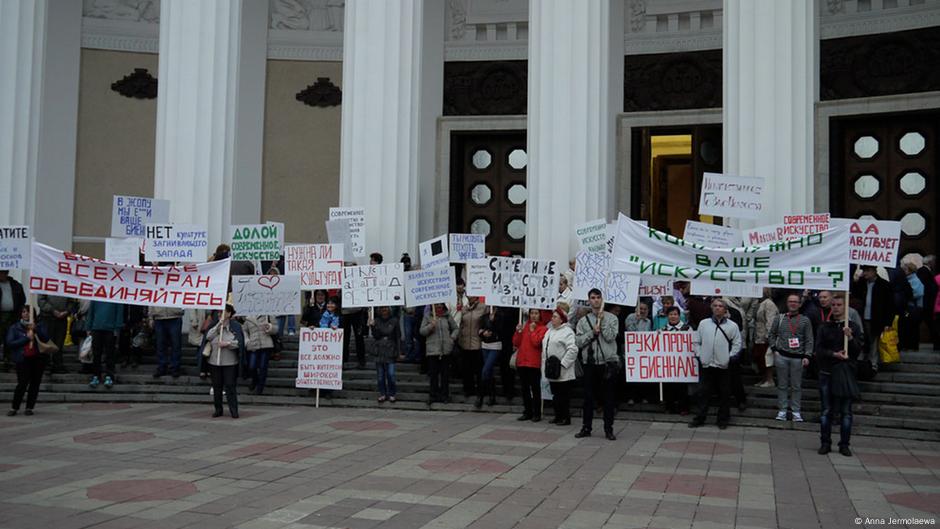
(528, 344)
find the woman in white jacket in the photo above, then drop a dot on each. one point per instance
(259, 341)
(559, 343)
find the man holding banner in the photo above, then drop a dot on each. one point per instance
(596, 339)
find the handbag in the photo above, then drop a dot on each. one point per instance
(47, 347)
(553, 368)
(888, 344)
(207, 349)
(79, 330)
(512, 360)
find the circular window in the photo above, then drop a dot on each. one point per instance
(913, 224)
(866, 147)
(481, 194)
(867, 186)
(913, 183)
(515, 229)
(517, 194)
(912, 143)
(480, 226)
(518, 159)
(482, 159)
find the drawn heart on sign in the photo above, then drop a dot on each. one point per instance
(269, 282)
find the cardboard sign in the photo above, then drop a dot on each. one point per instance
(433, 285)
(256, 242)
(129, 215)
(320, 359)
(175, 243)
(704, 287)
(320, 266)
(656, 287)
(434, 253)
(266, 295)
(799, 225)
(522, 283)
(70, 275)
(731, 196)
(374, 285)
(15, 242)
(466, 247)
(711, 235)
(357, 229)
(660, 357)
(122, 251)
(592, 271)
(873, 242)
(478, 277)
(337, 232)
(622, 289)
(592, 236)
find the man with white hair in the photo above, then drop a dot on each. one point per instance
(717, 344)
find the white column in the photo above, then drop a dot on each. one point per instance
(392, 83)
(770, 65)
(39, 68)
(210, 112)
(575, 94)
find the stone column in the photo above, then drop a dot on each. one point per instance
(392, 95)
(575, 94)
(770, 86)
(210, 112)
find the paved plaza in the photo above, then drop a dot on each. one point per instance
(118, 465)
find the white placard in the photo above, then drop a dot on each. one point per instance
(704, 287)
(523, 283)
(731, 196)
(711, 235)
(660, 357)
(357, 229)
(130, 214)
(873, 242)
(320, 266)
(433, 285)
(622, 289)
(478, 278)
(374, 285)
(256, 242)
(592, 236)
(434, 253)
(806, 224)
(266, 295)
(656, 286)
(320, 359)
(15, 242)
(175, 243)
(466, 247)
(123, 251)
(592, 270)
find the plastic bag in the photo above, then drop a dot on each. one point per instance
(84, 352)
(888, 344)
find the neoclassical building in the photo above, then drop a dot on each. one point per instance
(515, 118)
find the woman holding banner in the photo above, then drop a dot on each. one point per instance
(559, 354)
(23, 349)
(491, 344)
(528, 343)
(226, 342)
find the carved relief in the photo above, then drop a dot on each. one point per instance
(672, 81)
(307, 15)
(637, 15)
(135, 10)
(835, 6)
(485, 88)
(456, 19)
(322, 93)
(138, 85)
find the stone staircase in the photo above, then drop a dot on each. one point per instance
(902, 402)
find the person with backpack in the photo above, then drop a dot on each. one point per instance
(717, 343)
(791, 339)
(559, 354)
(596, 339)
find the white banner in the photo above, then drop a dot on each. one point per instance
(15, 243)
(320, 266)
(592, 270)
(807, 224)
(434, 285)
(873, 242)
(256, 242)
(337, 232)
(466, 247)
(175, 243)
(817, 261)
(592, 236)
(731, 196)
(266, 295)
(70, 275)
(357, 229)
(660, 357)
(374, 285)
(434, 253)
(520, 282)
(704, 287)
(320, 359)
(711, 235)
(122, 251)
(130, 214)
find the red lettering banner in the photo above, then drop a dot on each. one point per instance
(660, 357)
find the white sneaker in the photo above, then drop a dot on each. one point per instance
(797, 417)
(211, 391)
(781, 416)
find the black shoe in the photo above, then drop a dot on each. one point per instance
(479, 402)
(695, 423)
(844, 450)
(610, 436)
(11, 413)
(216, 414)
(582, 434)
(564, 422)
(159, 373)
(234, 414)
(537, 418)
(28, 412)
(722, 426)
(524, 418)
(823, 450)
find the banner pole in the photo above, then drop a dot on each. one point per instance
(318, 398)
(845, 310)
(660, 392)
(32, 308)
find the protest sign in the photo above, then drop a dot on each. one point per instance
(660, 357)
(731, 196)
(374, 285)
(129, 215)
(15, 243)
(704, 287)
(320, 266)
(873, 242)
(70, 275)
(357, 229)
(266, 295)
(592, 271)
(122, 251)
(523, 283)
(256, 242)
(764, 235)
(320, 359)
(817, 261)
(656, 286)
(433, 253)
(622, 289)
(808, 224)
(175, 243)
(466, 247)
(478, 277)
(711, 235)
(337, 232)
(592, 236)
(433, 285)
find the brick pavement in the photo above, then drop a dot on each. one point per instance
(171, 466)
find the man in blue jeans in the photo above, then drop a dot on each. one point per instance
(167, 326)
(837, 385)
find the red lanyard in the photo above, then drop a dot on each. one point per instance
(790, 324)
(825, 316)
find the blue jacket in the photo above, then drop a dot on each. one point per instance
(16, 340)
(329, 319)
(105, 316)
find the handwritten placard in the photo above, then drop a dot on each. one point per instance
(175, 243)
(15, 244)
(731, 196)
(271, 295)
(433, 285)
(320, 359)
(130, 215)
(466, 247)
(319, 266)
(374, 285)
(660, 357)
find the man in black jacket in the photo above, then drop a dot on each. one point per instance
(12, 299)
(836, 375)
(926, 275)
(876, 304)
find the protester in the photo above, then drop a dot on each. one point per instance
(105, 321)
(471, 355)
(837, 384)
(559, 354)
(228, 343)
(926, 275)
(596, 339)
(528, 343)
(354, 326)
(791, 338)
(736, 314)
(565, 295)
(12, 299)
(909, 323)
(661, 318)
(286, 323)
(491, 344)
(763, 358)
(717, 342)
(314, 311)
(22, 346)
(387, 336)
(259, 333)
(167, 324)
(330, 318)
(509, 317)
(637, 321)
(877, 307)
(440, 331)
(135, 336)
(54, 313)
(676, 394)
